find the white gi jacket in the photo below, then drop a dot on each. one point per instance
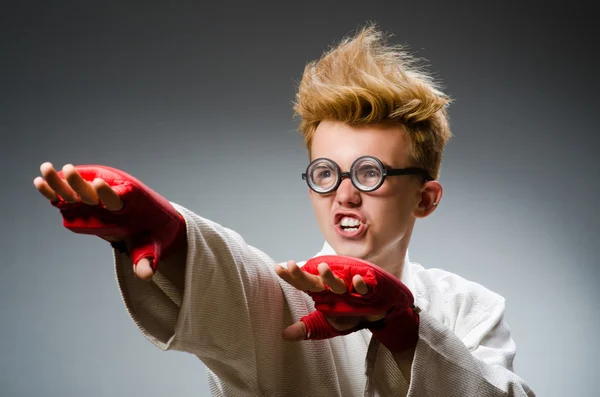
(227, 306)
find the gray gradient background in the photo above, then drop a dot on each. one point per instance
(196, 101)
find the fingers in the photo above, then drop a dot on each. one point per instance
(143, 269)
(285, 275)
(74, 187)
(305, 281)
(42, 186)
(83, 188)
(336, 284)
(293, 276)
(57, 184)
(107, 195)
(298, 278)
(359, 284)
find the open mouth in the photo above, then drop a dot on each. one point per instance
(349, 226)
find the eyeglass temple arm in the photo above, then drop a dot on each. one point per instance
(410, 171)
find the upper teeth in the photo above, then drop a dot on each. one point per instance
(347, 221)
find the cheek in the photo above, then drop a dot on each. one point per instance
(392, 212)
(321, 205)
(402, 196)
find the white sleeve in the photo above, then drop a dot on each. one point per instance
(479, 362)
(464, 349)
(211, 305)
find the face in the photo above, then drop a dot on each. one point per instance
(386, 215)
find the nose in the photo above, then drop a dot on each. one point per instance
(347, 195)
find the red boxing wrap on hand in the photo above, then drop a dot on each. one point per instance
(151, 224)
(398, 330)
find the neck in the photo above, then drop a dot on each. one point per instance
(393, 258)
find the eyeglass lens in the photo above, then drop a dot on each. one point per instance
(323, 174)
(366, 172)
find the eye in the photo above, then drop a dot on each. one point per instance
(369, 172)
(323, 174)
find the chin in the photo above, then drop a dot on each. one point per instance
(352, 249)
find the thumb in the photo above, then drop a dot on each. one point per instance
(312, 326)
(143, 269)
(145, 254)
(295, 332)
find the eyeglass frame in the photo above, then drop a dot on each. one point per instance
(385, 172)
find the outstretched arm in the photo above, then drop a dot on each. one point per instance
(205, 297)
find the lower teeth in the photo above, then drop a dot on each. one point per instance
(350, 229)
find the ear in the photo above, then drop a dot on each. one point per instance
(431, 195)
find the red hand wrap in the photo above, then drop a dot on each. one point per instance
(317, 327)
(397, 331)
(147, 219)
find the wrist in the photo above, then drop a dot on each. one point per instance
(398, 332)
(179, 242)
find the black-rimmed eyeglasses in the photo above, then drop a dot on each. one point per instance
(367, 174)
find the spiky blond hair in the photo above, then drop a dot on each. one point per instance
(364, 80)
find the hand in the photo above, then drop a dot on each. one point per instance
(351, 287)
(115, 206)
(324, 282)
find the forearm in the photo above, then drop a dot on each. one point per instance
(185, 299)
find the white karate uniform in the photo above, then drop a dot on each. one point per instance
(228, 307)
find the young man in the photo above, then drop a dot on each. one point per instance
(375, 127)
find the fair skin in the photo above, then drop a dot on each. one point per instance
(387, 215)
(74, 188)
